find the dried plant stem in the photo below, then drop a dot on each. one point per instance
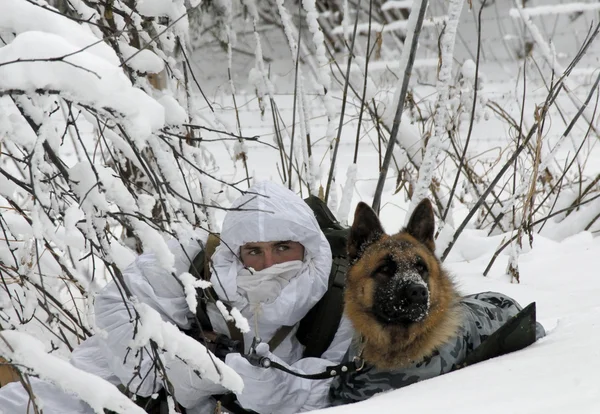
(472, 119)
(543, 112)
(344, 100)
(418, 24)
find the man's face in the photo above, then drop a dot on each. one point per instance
(261, 255)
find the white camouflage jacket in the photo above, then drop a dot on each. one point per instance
(289, 218)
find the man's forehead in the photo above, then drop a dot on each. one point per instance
(266, 244)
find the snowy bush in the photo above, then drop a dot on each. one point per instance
(100, 160)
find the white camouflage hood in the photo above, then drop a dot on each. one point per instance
(269, 212)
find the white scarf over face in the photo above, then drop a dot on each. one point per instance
(264, 286)
(268, 213)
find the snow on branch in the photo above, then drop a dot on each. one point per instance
(568, 8)
(38, 61)
(436, 142)
(99, 162)
(323, 80)
(169, 338)
(27, 353)
(548, 53)
(190, 284)
(18, 16)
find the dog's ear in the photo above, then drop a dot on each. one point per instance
(422, 224)
(366, 228)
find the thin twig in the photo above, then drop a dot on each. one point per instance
(399, 109)
(343, 111)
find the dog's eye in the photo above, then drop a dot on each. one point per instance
(386, 269)
(421, 266)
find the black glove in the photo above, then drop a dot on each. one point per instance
(224, 345)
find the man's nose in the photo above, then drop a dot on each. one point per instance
(269, 259)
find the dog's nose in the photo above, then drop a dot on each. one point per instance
(416, 294)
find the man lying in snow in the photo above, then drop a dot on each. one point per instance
(279, 237)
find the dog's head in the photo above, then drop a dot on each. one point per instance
(398, 296)
(393, 279)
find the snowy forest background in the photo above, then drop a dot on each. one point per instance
(124, 123)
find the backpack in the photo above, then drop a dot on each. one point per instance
(319, 326)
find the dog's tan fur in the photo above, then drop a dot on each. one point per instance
(392, 346)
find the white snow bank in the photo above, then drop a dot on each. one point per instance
(545, 378)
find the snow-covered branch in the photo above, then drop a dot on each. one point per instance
(98, 162)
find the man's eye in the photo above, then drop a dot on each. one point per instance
(254, 252)
(283, 247)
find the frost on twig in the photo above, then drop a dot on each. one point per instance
(173, 342)
(436, 142)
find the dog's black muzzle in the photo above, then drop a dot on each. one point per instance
(401, 302)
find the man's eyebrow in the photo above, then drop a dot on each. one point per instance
(279, 243)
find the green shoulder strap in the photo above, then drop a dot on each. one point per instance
(200, 268)
(318, 328)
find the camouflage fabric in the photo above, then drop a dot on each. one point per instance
(484, 313)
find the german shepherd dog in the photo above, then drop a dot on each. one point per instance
(411, 323)
(398, 296)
